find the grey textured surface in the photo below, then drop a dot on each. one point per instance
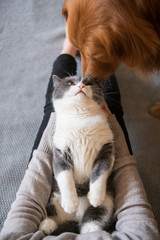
(31, 36)
(138, 95)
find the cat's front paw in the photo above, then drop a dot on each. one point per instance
(48, 226)
(96, 198)
(70, 204)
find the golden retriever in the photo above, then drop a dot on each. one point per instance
(108, 32)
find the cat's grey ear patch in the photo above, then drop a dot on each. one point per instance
(56, 80)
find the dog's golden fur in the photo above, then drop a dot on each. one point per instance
(108, 32)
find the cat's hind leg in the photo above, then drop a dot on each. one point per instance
(98, 218)
(48, 225)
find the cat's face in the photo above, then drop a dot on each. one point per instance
(78, 88)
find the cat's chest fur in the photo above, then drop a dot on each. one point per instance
(84, 135)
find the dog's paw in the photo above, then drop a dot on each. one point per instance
(48, 226)
(96, 198)
(70, 204)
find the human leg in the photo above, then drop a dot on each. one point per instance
(112, 97)
(65, 65)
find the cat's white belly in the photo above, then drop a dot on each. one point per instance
(84, 138)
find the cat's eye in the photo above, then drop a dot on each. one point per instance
(70, 83)
(88, 83)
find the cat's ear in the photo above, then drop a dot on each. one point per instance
(56, 80)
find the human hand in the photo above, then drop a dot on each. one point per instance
(68, 47)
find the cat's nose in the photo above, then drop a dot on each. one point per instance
(81, 86)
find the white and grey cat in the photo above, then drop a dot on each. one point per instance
(83, 156)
